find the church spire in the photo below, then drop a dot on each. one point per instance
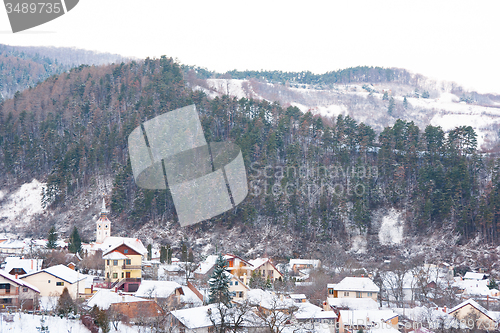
(103, 225)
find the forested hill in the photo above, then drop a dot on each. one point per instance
(312, 181)
(23, 67)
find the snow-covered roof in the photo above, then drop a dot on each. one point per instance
(206, 265)
(159, 289)
(103, 298)
(357, 284)
(19, 282)
(310, 311)
(298, 296)
(256, 263)
(353, 303)
(194, 317)
(111, 243)
(474, 304)
(115, 255)
(190, 297)
(268, 300)
(28, 265)
(366, 317)
(310, 262)
(62, 272)
(474, 276)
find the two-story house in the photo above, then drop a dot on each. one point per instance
(266, 269)
(18, 293)
(123, 263)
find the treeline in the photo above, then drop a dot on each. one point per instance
(348, 75)
(306, 175)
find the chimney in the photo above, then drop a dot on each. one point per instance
(444, 309)
(16, 276)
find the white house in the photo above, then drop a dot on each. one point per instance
(52, 281)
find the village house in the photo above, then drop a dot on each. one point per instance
(123, 263)
(52, 281)
(21, 266)
(167, 293)
(354, 287)
(266, 268)
(17, 293)
(470, 311)
(237, 288)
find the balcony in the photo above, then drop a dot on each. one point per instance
(131, 266)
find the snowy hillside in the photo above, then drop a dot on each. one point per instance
(365, 103)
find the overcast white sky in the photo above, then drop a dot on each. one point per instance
(447, 40)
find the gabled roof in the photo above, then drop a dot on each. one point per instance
(256, 263)
(62, 272)
(357, 284)
(28, 265)
(19, 282)
(366, 317)
(231, 256)
(111, 243)
(475, 305)
(160, 289)
(194, 317)
(231, 276)
(310, 311)
(115, 255)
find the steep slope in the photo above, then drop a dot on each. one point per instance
(317, 186)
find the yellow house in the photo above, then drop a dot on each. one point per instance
(471, 312)
(123, 264)
(52, 281)
(354, 287)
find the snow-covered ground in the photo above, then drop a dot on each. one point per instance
(22, 204)
(391, 229)
(28, 323)
(444, 109)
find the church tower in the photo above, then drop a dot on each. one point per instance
(103, 225)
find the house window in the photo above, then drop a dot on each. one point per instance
(128, 261)
(59, 283)
(231, 263)
(270, 274)
(241, 294)
(122, 275)
(230, 283)
(346, 293)
(25, 290)
(235, 283)
(49, 281)
(115, 262)
(108, 275)
(115, 275)
(108, 262)
(330, 291)
(369, 294)
(358, 294)
(125, 251)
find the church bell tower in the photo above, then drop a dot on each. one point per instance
(103, 225)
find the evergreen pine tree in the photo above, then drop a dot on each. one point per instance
(52, 238)
(184, 253)
(219, 283)
(150, 252)
(169, 255)
(163, 254)
(191, 256)
(405, 103)
(75, 242)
